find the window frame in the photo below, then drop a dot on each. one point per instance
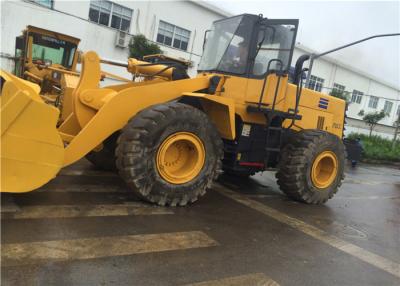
(174, 34)
(243, 17)
(358, 95)
(68, 53)
(388, 103)
(257, 22)
(373, 102)
(168, 29)
(316, 80)
(111, 13)
(339, 87)
(40, 3)
(253, 45)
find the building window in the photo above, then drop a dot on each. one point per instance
(121, 18)
(316, 83)
(373, 102)
(356, 96)
(165, 33)
(45, 3)
(174, 36)
(99, 12)
(110, 14)
(338, 88)
(388, 107)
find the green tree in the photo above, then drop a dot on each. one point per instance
(372, 119)
(139, 47)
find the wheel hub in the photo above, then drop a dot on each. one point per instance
(324, 169)
(180, 157)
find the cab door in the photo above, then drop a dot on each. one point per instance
(19, 55)
(272, 56)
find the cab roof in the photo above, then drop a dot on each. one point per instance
(67, 38)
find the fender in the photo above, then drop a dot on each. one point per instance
(221, 111)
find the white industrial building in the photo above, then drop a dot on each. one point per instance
(366, 93)
(179, 27)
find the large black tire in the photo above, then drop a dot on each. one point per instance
(295, 166)
(140, 140)
(105, 158)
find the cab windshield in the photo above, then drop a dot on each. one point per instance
(49, 50)
(227, 46)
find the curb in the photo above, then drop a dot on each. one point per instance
(380, 162)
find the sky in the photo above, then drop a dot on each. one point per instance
(328, 24)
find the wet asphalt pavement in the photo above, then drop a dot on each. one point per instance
(84, 228)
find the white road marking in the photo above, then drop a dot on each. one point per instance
(349, 248)
(341, 229)
(256, 279)
(368, 197)
(72, 211)
(364, 182)
(278, 196)
(88, 248)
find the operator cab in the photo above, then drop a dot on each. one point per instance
(256, 53)
(45, 48)
(249, 46)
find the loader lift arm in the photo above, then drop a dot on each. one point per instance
(96, 125)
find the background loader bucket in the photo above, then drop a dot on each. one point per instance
(32, 151)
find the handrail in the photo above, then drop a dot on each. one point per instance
(265, 82)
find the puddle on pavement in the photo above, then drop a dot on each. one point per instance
(338, 229)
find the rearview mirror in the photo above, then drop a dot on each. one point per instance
(299, 68)
(205, 38)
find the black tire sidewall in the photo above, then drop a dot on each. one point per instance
(105, 159)
(182, 124)
(297, 158)
(141, 139)
(325, 143)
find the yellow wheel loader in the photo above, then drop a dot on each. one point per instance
(49, 59)
(169, 136)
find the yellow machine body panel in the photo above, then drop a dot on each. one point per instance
(330, 119)
(69, 83)
(221, 111)
(244, 92)
(32, 151)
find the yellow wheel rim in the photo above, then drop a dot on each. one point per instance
(180, 157)
(324, 169)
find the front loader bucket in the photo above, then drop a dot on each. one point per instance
(32, 151)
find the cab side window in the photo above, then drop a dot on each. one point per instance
(274, 42)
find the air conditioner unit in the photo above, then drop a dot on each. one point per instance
(122, 39)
